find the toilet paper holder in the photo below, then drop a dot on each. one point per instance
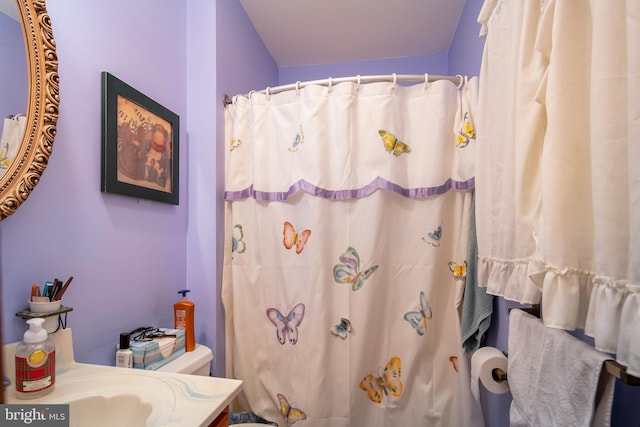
(498, 375)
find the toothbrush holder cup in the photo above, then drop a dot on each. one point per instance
(50, 322)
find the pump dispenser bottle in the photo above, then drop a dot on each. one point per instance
(183, 312)
(35, 362)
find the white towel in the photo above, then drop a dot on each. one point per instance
(554, 377)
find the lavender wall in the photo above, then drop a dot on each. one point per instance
(465, 54)
(433, 64)
(13, 83)
(127, 256)
(243, 61)
(201, 173)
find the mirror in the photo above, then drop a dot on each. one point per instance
(13, 83)
(34, 148)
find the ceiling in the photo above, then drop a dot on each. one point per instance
(308, 32)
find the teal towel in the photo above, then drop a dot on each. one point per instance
(477, 305)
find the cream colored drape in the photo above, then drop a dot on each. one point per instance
(558, 200)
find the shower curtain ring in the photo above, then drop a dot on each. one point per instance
(330, 83)
(267, 92)
(461, 80)
(426, 79)
(358, 84)
(298, 87)
(395, 79)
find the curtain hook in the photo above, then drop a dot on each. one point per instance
(267, 92)
(426, 79)
(251, 92)
(298, 87)
(461, 80)
(330, 83)
(358, 84)
(395, 79)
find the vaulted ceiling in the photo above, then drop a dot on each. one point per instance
(308, 32)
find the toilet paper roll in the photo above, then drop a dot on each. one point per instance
(483, 362)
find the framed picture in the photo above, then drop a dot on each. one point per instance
(140, 144)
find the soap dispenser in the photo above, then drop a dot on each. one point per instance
(183, 312)
(35, 362)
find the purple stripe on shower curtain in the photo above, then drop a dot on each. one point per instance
(358, 193)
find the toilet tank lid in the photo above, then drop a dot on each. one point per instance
(189, 361)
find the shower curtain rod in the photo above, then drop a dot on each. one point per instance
(226, 99)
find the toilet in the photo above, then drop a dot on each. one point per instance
(196, 362)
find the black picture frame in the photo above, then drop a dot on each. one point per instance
(140, 144)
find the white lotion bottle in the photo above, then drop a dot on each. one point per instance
(124, 355)
(35, 362)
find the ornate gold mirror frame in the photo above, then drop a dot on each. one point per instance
(42, 108)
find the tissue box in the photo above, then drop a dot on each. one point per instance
(150, 355)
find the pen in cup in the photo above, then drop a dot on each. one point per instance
(48, 287)
(57, 285)
(36, 296)
(35, 291)
(59, 294)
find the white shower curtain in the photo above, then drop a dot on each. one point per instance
(347, 213)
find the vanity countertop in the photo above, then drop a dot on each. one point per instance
(175, 399)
